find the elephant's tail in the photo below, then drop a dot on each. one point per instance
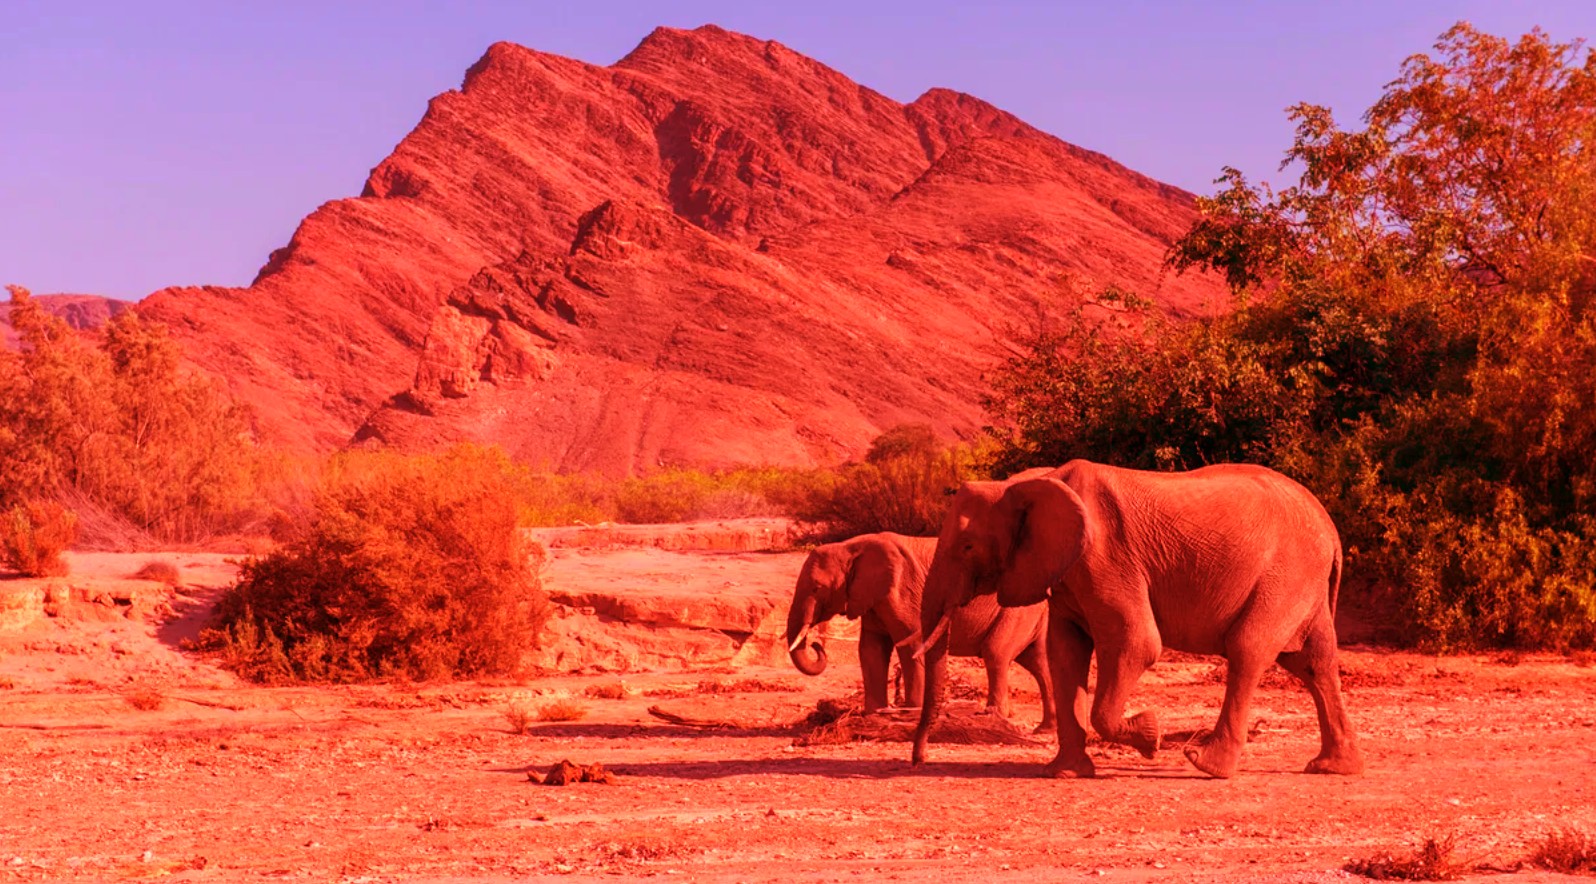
(1335, 579)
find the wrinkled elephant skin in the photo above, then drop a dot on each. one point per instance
(878, 579)
(1232, 560)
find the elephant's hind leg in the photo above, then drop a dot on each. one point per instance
(913, 677)
(1220, 754)
(997, 682)
(1315, 665)
(875, 650)
(1120, 665)
(1034, 661)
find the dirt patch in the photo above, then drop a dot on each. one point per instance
(228, 782)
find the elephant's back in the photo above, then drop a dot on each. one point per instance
(1220, 491)
(920, 549)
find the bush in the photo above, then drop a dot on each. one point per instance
(906, 490)
(1431, 862)
(160, 571)
(33, 535)
(1567, 852)
(409, 566)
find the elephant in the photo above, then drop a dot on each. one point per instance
(1233, 560)
(877, 579)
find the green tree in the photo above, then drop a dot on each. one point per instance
(118, 425)
(1413, 339)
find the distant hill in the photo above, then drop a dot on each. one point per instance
(714, 251)
(80, 311)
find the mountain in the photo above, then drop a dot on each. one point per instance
(82, 312)
(713, 251)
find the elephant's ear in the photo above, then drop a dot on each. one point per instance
(1047, 523)
(877, 570)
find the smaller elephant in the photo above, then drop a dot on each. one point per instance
(878, 579)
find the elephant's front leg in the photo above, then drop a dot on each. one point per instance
(875, 650)
(1069, 658)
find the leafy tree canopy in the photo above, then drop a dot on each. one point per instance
(1413, 340)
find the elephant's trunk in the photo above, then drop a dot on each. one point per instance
(810, 660)
(800, 617)
(935, 636)
(939, 603)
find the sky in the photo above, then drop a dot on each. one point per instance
(178, 142)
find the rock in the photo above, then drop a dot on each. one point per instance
(713, 252)
(565, 773)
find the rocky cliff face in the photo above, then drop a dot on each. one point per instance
(714, 251)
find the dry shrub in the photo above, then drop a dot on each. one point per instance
(670, 495)
(641, 851)
(616, 690)
(160, 571)
(844, 721)
(744, 686)
(680, 495)
(829, 724)
(34, 534)
(1568, 852)
(145, 698)
(1432, 862)
(7, 683)
(519, 717)
(405, 566)
(560, 710)
(902, 486)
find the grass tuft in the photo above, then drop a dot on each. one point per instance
(1568, 852)
(1432, 862)
(519, 718)
(560, 710)
(145, 699)
(160, 571)
(615, 690)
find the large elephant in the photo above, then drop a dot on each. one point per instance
(878, 579)
(1232, 560)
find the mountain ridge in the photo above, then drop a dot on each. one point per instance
(714, 251)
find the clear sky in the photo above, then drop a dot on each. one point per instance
(164, 142)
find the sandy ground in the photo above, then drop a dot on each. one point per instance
(225, 782)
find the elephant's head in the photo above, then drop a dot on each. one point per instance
(846, 578)
(1015, 539)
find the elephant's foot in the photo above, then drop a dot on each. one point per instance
(999, 711)
(1048, 726)
(1347, 764)
(1061, 768)
(1215, 758)
(1142, 733)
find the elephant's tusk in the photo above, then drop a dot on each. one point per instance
(935, 636)
(908, 640)
(798, 642)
